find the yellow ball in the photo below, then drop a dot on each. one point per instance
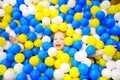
(68, 41)
(63, 27)
(67, 77)
(78, 16)
(29, 45)
(3, 25)
(2, 41)
(49, 61)
(91, 40)
(34, 60)
(39, 8)
(22, 38)
(74, 72)
(57, 63)
(102, 62)
(65, 57)
(70, 32)
(38, 42)
(94, 23)
(54, 1)
(99, 44)
(98, 57)
(77, 36)
(8, 9)
(103, 78)
(94, 9)
(19, 58)
(109, 50)
(115, 37)
(6, 18)
(2, 69)
(46, 12)
(59, 53)
(116, 56)
(64, 8)
(54, 13)
(75, 78)
(112, 9)
(54, 28)
(39, 16)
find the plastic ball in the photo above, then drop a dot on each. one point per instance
(74, 72)
(69, 18)
(117, 64)
(1, 49)
(102, 62)
(3, 41)
(100, 15)
(87, 61)
(94, 22)
(110, 22)
(19, 58)
(78, 16)
(106, 73)
(3, 56)
(63, 8)
(58, 74)
(100, 30)
(109, 50)
(54, 28)
(84, 22)
(84, 39)
(57, 63)
(47, 31)
(2, 69)
(110, 65)
(104, 37)
(105, 4)
(63, 27)
(9, 75)
(64, 57)
(115, 30)
(70, 32)
(77, 36)
(66, 48)
(49, 72)
(87, 15)
(71, 3)
(29, 44)
(34, 60)
(22, 7)
(41, 67)
(34, 74)
(74, 63)
(21, 76)
(46, 45)
(115, 74)
(46, 21)
(116, 16)
(90, 50)
(80, 55)
(38, 43)
(75, 24)
(94, 74)
(83, 68)
(78, 8)
(27, 68)
(18, 68)
(43, 78)
(52, 51)
(46, 38)
(65, 67)
(77, 44)
(42, 54)
(16, 15)
(25, 29)
(91, 40)
(107, 58)
(94, 9)
(6, 18)
(58, 19)
(49, 61)
(86, 30)
(72, 51)
(25, 13)
(68, 41)
(67, 77)
(2, 12)
(103, 78)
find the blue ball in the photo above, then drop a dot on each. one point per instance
(47, 31)
(86, 31)
(69, 18)
(78, 8)
(110, 22)
(46, 45)
(39, 28)
(5, 35)
(32, 36)
(21, 76)
(6, 63)
(70, 12)
(34, 74)
(60, 2)
(84, 22)
(118, 46)
(72, 51)
(90, 50)
(74, 63)
(63, 15)
(96, 3)
(100, 68)
(111, 41)
(26, 61)
(15, 48)
(15, 9)
(29, 17)
(83, 68)
(94, 66)
(110, 16)
(66, 48)
(34, 22)
(84, 77)
(43, 78)
(35, 50)
(16, 15)
(24, 21)
(49, 72)
(100, 30)
(77, 44)
(28, 53)
(115, 30)
(42, 54)
(17, 30)
(13, 25)
(75, 24)
(25, 29)
(94, 74)
(104, 37)
(10, 56)
(41, 67)
(87, 8)
(87, 14)
(1, 30)
(100, 15)
(81, 2)
(27, 68)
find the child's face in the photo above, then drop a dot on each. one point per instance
(59, 40)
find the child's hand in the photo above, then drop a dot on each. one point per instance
(14, 39)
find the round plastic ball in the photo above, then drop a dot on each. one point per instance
(84, 22)
(18, 68)
(94, 74)
(3, 41)
(27, 68)
(2, 69)
(115, 30)
(9, 75)
(90, 50)
(21, 76)
(110, 22)
(94, 9)
(58, 74)
(49, 72)
(25, 29)
(78, 8)
(52, 51)
(104, 37)
(47, 31)
(16, 15)
(91, 40)
(106, 73)
(63, 27)
(109, 50)
(77, 44)
(100, 30)
(115, 74)
(87, 61)
(29, 45)
(38, 42)
(100, 15)
(68, 41)
(110, 65)
(34, 60)
(3, 56)
(46, 45)
(71, 3)
(116, 16)
(70, 32)
(41, 67)
(86, 30)
(64, 57)
(65, 67)
(105, 4)
(43, 78)
(2, 12)
(19, 58)
(69, 18)
(94, 22)
(72, 51)
(74, 72)
(46, 21)
(34, 74)
(54, 27)
(83, 68)
(87, 15)
(78, 16)
(63, 8)
(75, 24)
(49, 61)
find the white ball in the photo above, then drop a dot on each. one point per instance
(31, 29)
(58, 19)
(44, 3)
(78, 30)
(32, 9)
(2, 12)
(58, 74)
(65, 67)
(3, 56)
(105, 4)
(35, 1)
(53, 20)
(12, 2)
(8, 30)
(39, 35)
(115, 74)
(117, 16)
(27, 2)
(23, 7)
(106, 73)
(87, 61)
(107, 58)
(12, 33)
(84, 46)
(80, 55)
(52, 51)
(118, 23)
(71, 3)
(56, 6)
(9, 75)
(46, 21)
(69, 25)
(25, 13)
(1, 49)
(96, 36)
(7, 46)
(110, 65)
(18, 68)
(46, 38)
(93, 31)
(84, 39)
(117, 64)
(21, 46)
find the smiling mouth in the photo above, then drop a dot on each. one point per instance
(58, 45)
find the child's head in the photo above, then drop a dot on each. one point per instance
(59, 40)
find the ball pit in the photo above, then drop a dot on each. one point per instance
(91, 40)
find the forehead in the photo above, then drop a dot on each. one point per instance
(59, 34)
